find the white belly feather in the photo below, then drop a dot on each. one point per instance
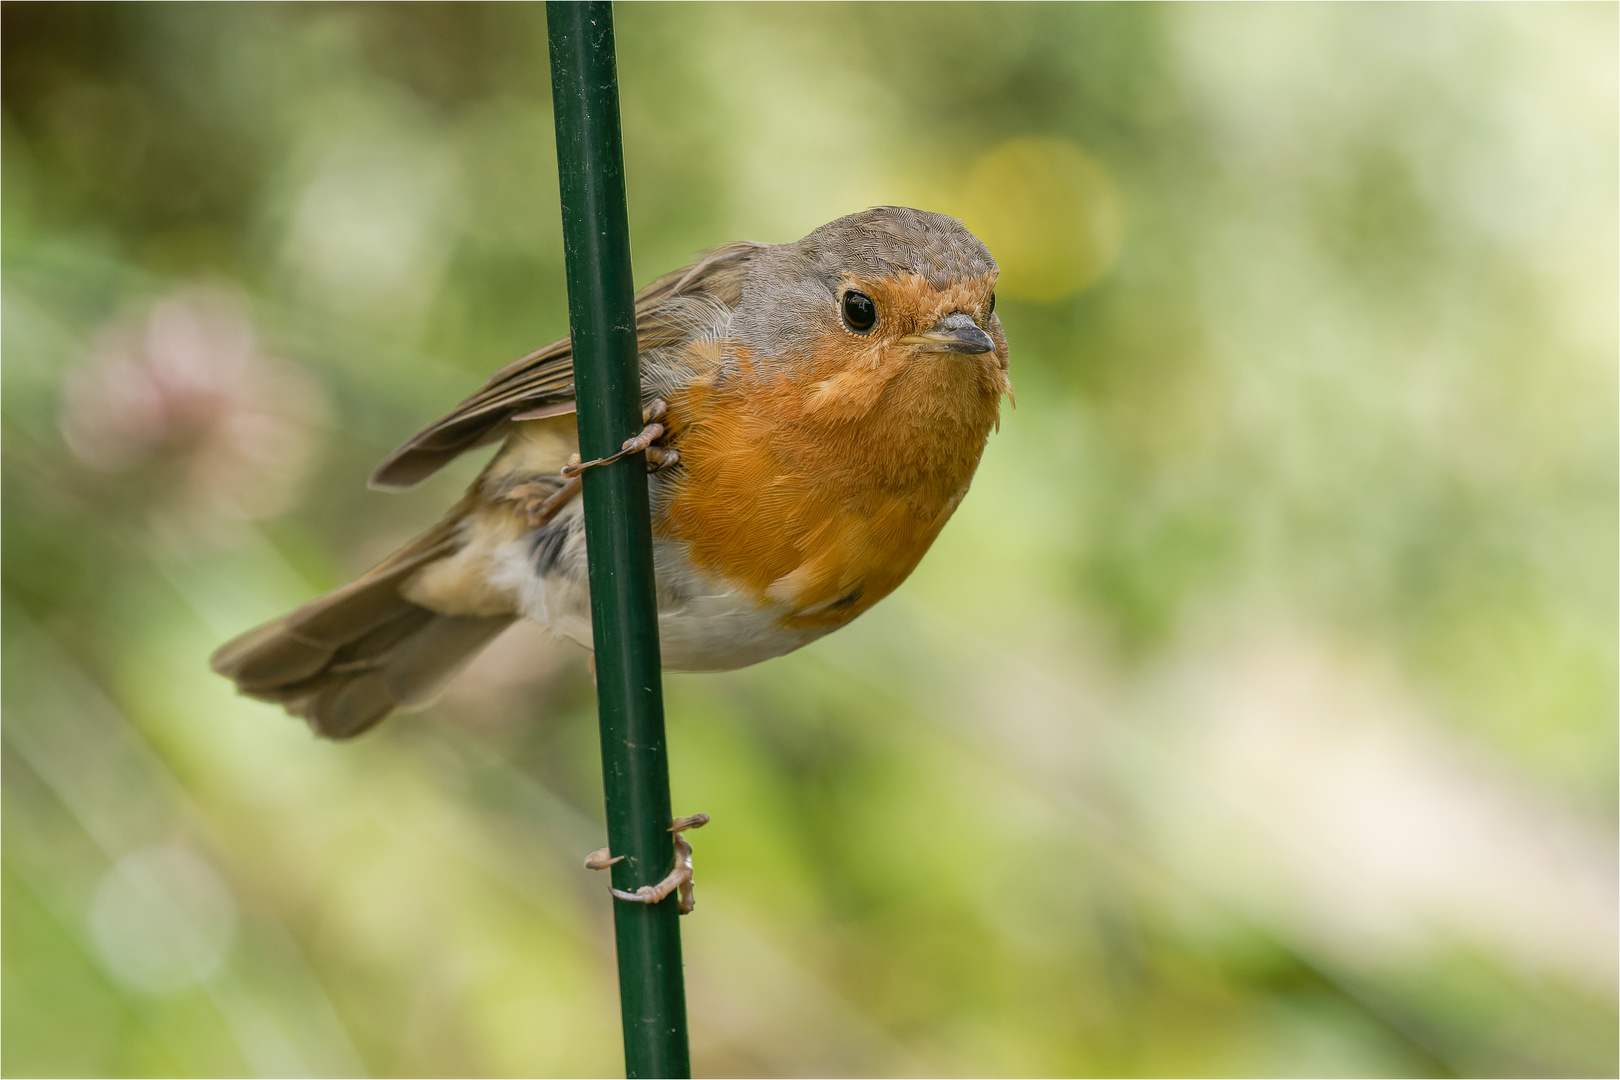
(703, 624)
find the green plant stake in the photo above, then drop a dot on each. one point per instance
(618, 531)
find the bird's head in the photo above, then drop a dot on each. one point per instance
(905, 295)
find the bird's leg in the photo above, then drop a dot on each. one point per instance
(542, 501)
(686, 900)
(650, 434)
(678, 878)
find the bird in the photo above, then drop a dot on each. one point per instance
(814, 411)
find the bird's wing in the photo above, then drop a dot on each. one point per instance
(544, 379)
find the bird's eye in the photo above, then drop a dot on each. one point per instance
(859, 311)
(992, 310)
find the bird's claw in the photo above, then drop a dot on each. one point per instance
(660, 458)
(636, 444)
(678, 879)
(541, 501)
(600, 859)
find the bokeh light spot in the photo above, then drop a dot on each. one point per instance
(162, 919)
(1050, 214)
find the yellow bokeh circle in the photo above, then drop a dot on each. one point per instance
(1049, 213)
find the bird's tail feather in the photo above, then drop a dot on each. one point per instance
(345, 660)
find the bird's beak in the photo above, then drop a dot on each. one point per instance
(956, 333)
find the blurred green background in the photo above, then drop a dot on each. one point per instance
(1255, 715)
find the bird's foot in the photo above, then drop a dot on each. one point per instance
(636, 444)
(541, 501)
(660, 458)
(680, 878)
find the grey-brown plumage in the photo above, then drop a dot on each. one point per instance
(545, 377)
(346, 660)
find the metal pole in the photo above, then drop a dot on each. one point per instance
(618, 531)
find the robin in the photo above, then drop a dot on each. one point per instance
(815, 412)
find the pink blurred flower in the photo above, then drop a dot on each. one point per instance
(187, 391)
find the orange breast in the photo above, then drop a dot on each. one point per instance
(823, 491)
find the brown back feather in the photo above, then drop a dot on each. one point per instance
(546, 376)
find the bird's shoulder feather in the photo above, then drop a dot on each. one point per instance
(544, 379)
